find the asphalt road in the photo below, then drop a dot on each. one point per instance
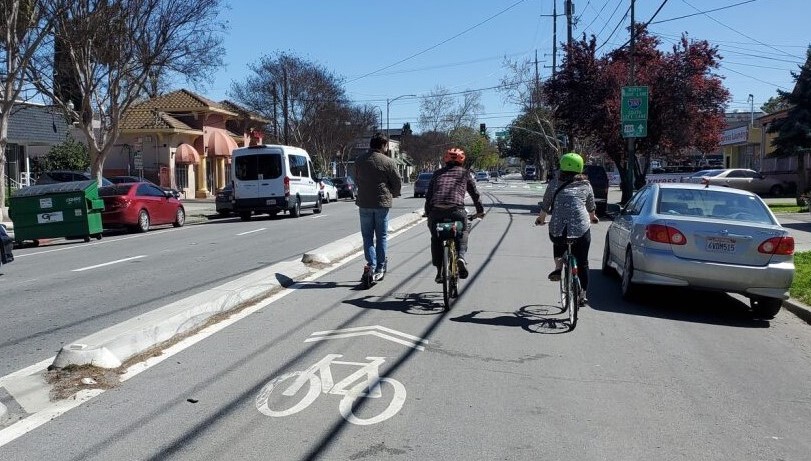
(681, 375)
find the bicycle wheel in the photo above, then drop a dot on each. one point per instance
(574, 289)
(453, 274)
(565, 285)
(446, 289)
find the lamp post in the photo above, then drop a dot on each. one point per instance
(381, 117)
(388, 103)
(751, 101)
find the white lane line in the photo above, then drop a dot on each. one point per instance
(251, 232)
(104, 242)
(109, 263)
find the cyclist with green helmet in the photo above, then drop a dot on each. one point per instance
(569, 199)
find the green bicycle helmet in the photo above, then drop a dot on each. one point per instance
(571, 162)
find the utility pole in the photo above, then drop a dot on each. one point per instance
(532, 104)
(284, 105)
(569, 6)
(630, 174)
(554, 37)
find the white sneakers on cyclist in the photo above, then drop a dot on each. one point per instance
(461, 264)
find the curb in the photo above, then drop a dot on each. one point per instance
(799, 309)
(113, 346)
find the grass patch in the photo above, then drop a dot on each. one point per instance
(787, 208)
(801, 286)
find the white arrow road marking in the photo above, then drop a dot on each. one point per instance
(109, 263)
(251, 232)
(370, 330)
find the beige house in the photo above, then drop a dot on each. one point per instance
(181, 140)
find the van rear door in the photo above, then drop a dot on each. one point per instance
(256, 175)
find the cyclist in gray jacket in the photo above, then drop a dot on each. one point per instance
(569, 198)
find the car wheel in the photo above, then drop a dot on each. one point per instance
(295, 212)
(765, 308)
(143, 221)
(245, 215)
(180, 217)
(776, 191)
(607, 270)
(629, 288)
(318, 206)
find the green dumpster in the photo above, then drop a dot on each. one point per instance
(69, 209)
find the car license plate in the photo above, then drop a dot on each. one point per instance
(720, 245)
(270, 201)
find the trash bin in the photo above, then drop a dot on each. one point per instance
(69, 209)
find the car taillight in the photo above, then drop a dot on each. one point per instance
(777, 246)
(286, 186)
(664, 234)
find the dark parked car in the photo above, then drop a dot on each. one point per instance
(6, 245)
(222, 201)
(126, 179)
(598, 178)
(139, 205)
(421, 184)
(346, 187)
(57, 176)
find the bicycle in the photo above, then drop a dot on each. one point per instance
(571, 293)
(446, 231)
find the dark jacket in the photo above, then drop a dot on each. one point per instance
(377, 179)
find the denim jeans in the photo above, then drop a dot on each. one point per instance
(374, 225)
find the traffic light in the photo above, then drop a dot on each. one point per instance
(482, 129)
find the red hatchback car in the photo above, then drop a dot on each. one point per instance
(139, 205)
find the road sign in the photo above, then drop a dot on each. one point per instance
(634, 104)
(635, 129)
(501, 134)
(138, 161)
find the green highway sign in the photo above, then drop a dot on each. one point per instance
(634, 106)
(501, 134)
(635, 129)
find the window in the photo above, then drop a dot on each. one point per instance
(260, 166)
(182, 177)
(298, 165)
(737, 174)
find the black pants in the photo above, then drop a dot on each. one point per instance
(580, 249)
(455, 214)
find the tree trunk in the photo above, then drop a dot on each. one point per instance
(802, 181)
(4, 118)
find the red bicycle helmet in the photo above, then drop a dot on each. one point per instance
(454, 154)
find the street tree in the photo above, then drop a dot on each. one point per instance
(440, 111)
(106, 51)
(774, 104)
(306, 103)
(25, 30)
(794, 130)
(68, 155)
(686, 106)
(535, 139)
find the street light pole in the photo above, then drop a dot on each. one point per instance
(381, 117)
(751, 110)
(388, 103)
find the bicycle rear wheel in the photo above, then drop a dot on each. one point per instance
(446, 289)
(565, 285)
(576, 294)
(453, 271)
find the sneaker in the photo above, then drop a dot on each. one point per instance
(554, 275)
(583, 301)
(379, 276)
(462, 266)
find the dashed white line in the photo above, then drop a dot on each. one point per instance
(108, 263)
(252, 231)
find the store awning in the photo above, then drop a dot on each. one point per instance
(187, 154)
(220, 144)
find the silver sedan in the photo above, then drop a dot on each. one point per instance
(704, 237)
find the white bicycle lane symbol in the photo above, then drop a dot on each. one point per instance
(319, 376)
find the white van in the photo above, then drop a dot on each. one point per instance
(273, 178)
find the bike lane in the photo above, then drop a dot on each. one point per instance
(497, 377)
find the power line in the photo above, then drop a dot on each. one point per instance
(737, 31)
(703, 12)
(615, 28)
(440, 43)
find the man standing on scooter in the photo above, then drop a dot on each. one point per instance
(378, 183)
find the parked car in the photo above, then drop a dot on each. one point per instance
(530, 173)
(482, 176)
(421, 184)
(57, 176)
(598, 178)
(140, 205)
(223, 201)
(346, 187)
(740, 178)
(703, 237)
(126, 179)
(328, 191)
(6, 245)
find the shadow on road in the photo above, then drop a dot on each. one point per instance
(673, 303)
(537, 318)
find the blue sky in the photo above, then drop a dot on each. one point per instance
(387, 49)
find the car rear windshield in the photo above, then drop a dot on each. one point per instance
(258, 166)
(713, 204)
(339, 181)
(115, 189)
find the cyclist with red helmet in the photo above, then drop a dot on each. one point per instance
(445, 199)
